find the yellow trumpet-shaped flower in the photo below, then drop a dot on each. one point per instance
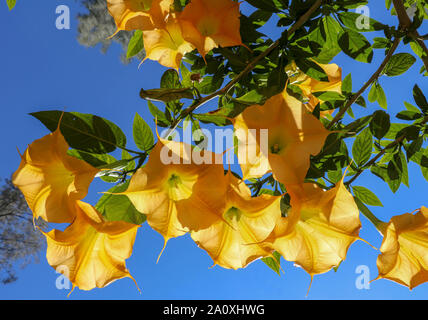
(175, 193)
(310, 85)
(166, 45)
(208, 24)
(279, 136)
(319, 228)
(404, 249)
(91, 252)
(236, 238)
(51, 180)
(139, 14)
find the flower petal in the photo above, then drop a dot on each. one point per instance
(91, 251)
(51, 180)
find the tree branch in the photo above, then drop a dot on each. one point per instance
(299, 23)
(373, 78)
(381, 153)
(405, 24)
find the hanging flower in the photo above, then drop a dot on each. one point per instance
(175, 193)
(309, 85)
(139, 14)
(91, 251)
(319, 228)
(166, 45)
(208, 24)
(404, 257)
(279, 136)
(236, 238)
(51, 180)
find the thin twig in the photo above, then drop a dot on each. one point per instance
(373, 78)
(405, 24)
(300, 22)
(381, 153)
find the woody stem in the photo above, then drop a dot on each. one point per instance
(406, 23)
(381, 153)
(372, 79)
(300, 22)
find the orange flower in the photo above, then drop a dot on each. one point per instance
(236, 238)
(293, 136)
(404, 257)
(139, 14)
(166, 45)
(309, 85)
(319, 228)
(51, 180)
(91, 251)
(208, 24)
(177, 197)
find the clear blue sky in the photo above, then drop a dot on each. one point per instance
(44, 68)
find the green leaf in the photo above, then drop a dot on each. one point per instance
(350, 19)
(267, 5)
(381, 43)
(409, 115)
(372, 94)
(382, 172)
(130, 159)
(221, 116)
(143, 135)
(357, 125)
(362, 147)
(411, 107)
(11, 4)
(405, 176)
(381, 97)
(84, 132)
(118, 207)
(251, 98)
(274, 263)
(361, 101)
(260, 17)
(312, 69)
(158, 114)
(135, 45)
(417, 49)
(395, 173)
(380, 124)
(366, 212)
(355, 45)
(210, 84)
(395, 129)
(170, 80)
(166, 95)
(421, 158)
(96, 160)
(366, 196)
(324, 39)
(277, 79)
(347, 84)
(399, 64)
(414, 147)
(420, 99)
(329, 96)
